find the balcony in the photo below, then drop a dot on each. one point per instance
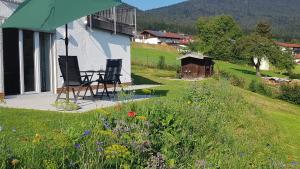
(121, 19)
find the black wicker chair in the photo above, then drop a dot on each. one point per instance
(111, 76)
(76, 80)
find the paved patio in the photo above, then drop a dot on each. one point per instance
(43, 101)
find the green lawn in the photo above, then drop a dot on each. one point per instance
(245, 71)
(297, 69)
(148, 55)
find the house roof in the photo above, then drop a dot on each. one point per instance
(193, 55)
(288, 45)
(161, 34)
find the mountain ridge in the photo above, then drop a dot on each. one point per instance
(283, 16)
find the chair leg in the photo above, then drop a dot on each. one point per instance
(91, 90)
(97, 90)
(105, 90)
(79, 90)
(115, 86)
(60, 92)
(75, 98)
(86, 89)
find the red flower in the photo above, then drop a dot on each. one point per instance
(131, 114)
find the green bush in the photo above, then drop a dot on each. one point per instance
(161, 62)
(290, 93)
(261, 88)
(233, 79)
(295, 76)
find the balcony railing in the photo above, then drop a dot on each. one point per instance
(13, 1)
(121, 19)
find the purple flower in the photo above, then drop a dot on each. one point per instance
(77, 146)
(106, 123)
(295, 163)
(87, 132)
(99, 149)
(99, 143)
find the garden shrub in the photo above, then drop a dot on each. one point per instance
(295, 76)
(261, 88)
(290, 93)
(161, 62)
(233, 79)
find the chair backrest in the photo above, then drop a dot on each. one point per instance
(74, 75)
(113, 70)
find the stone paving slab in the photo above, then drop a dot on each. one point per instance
(44, 101)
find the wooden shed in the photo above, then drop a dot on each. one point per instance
(195, 65)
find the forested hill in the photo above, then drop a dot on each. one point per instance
(284, 15)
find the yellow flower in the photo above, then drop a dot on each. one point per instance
(116, 151)
(143, 118)
(106, 133)
(104, 113)
(14, 162)
(37, 138)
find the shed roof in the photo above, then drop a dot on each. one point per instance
(288, 45)
(193, 55)
(161, 34)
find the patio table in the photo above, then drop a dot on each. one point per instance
(90, 74)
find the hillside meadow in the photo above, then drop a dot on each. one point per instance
(184, 124)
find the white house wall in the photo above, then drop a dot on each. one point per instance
(93, 47)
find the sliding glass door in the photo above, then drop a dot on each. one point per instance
(45, 46)
(29, 62)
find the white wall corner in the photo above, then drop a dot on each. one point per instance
(37, 62)
(21, 61)
(1, 62)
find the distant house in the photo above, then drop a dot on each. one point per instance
(28, 58)
(194, 65)
(159, 37)
(295, 48)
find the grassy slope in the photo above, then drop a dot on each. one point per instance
(297, 69)
(285, 115)
(245, 71)
(27, 122)
(149, 54)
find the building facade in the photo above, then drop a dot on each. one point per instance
(28, 59)
(295, 48)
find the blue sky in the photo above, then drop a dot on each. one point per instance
(150, 4)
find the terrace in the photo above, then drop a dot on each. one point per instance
(45, 101)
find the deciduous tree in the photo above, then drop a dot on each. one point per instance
(255, 48)
(217, 36)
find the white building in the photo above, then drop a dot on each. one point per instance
(28, 59)
(295, 48)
